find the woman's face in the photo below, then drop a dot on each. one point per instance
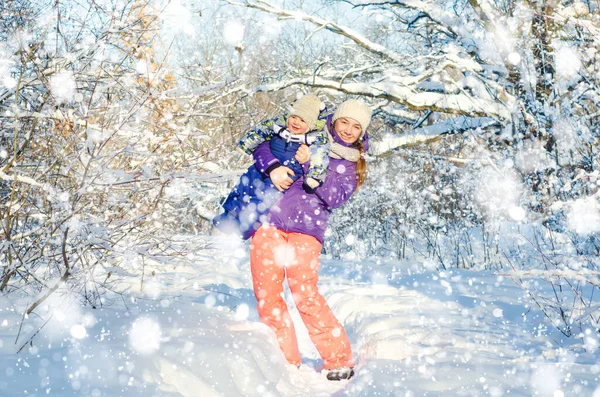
(347, 129)
(296, 125)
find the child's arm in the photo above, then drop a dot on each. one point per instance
(319, 161)
(264, 160)
(259, 134)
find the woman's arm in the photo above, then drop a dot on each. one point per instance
(268, 165)
(337, 188)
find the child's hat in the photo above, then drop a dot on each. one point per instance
(356, 110)
(307, 108)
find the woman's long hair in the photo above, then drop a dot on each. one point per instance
(361, 165)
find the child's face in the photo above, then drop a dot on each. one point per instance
(296, 125)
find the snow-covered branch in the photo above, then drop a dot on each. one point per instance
(441, 18)
(345, 31)
(394, 111)
(205, 177)
(21, 179)
(429, 133)
(439, 102)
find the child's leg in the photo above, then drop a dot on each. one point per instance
(245, 205)
(229, 221)
(243, 192)
(267, 256)
(324, 329)
(254, 213)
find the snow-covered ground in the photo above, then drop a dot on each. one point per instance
(193, 331)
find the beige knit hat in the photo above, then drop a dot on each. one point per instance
(307, 108)
(356, 110)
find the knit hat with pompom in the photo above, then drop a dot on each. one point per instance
(356, 110)
(307, 107)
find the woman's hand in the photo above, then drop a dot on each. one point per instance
(302, 154)
(281, 180)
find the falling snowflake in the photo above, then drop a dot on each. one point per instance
(584, 216)
(145, 336)
(63, 86)
(567, 60)
(78, 331)
(233, 32)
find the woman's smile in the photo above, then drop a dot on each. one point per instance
(345, 136)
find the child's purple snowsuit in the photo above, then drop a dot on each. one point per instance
(254, 194)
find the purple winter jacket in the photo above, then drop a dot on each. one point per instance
(298, 211)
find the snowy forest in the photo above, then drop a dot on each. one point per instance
(119, 121)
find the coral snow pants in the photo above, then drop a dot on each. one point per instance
(275, 254)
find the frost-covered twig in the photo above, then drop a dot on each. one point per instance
(46, 294)
(583, 274)
(34, 335)
(19, 178)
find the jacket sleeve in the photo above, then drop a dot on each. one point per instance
(259, 134)
(319, 158)
(264, 160)
(337, 188)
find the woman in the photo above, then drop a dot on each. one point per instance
(290, 245)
